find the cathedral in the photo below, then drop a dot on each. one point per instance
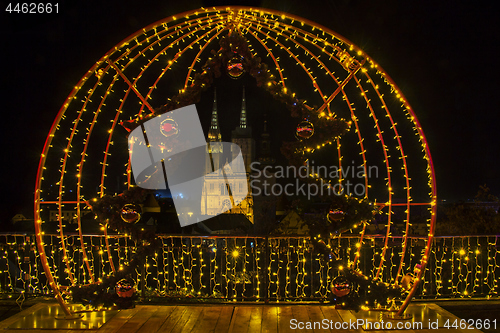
(220, 179)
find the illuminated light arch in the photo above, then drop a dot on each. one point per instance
(126, 82)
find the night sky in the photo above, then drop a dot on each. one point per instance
(441, 54)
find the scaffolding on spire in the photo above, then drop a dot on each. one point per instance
(243, 114)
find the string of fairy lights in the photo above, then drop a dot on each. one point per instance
(234, 268)
(133, 78)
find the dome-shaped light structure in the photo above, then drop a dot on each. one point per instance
(85, 143)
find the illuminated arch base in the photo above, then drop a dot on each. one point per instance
(134, 77)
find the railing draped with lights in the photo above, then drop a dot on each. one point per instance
(253, 268)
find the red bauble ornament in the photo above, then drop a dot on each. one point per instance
(169, 128)
(235, 67)
(304, 130)
(125, 288)
(335, 215)
(131, 213)
(341, 287)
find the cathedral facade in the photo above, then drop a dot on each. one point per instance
(221, 180)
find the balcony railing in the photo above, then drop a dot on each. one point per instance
(250, 268)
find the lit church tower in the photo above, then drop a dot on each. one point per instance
(242, 136)
(210, 197)
(214, 142)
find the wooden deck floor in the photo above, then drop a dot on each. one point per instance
(224, 318)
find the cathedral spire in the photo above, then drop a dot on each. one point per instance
(243, 114)
(214, 132)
